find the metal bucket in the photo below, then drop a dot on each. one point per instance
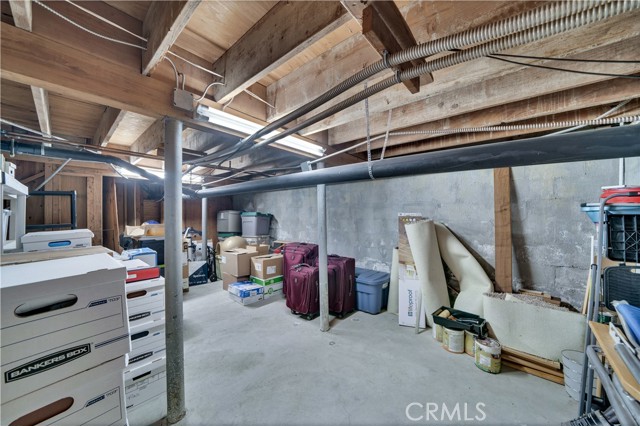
(488, 353)
(453, 340)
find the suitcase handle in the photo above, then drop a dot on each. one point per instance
(299, 266)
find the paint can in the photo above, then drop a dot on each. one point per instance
(437, 332)
(469, 343)
(453, 340)
(488, 355)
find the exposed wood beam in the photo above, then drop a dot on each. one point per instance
(109, 122)
(385, 29)
(41, 101)
(286, 30)
(355, 8)
(163, 24)
(502, 211)
(456, 140)
(151, 139)
(488, 92)
(22, 15)
(31, 59)
(429, 20)
(594, 95)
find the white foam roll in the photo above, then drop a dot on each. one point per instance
(474, 282)
(426, 255)
(392, 304)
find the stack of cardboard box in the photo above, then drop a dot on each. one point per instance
(64, 339)
(145, 384)
(266, 271)
(236, 265)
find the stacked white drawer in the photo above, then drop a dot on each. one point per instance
(145, 374)
(64, 339)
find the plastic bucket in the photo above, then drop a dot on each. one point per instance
(488, 354)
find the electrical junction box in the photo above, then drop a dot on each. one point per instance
(183, 100)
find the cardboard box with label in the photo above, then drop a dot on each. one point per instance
(262, 249)
(147, 255)
(228, 279)
(145, 301)
(92, 397)
(146, 392)
(237, 262)
(267, 282)
(246, 300)
(268, 266)
(409, 294)
(56, 240)
(149, 337)
(273, 290)
(59, 318)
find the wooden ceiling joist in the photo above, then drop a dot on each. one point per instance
(606, 93)
(41, 101)
(488, 92)
(151, 139)
(109, 122)
(162, 25)
(286, 30)
(385, 29)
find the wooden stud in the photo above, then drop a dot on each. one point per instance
(22, 13)
(108, 125)
(111, 228)
(41, 101)
(502, 209)
(162, 25)
(535, 372)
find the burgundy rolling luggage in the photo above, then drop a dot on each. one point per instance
(343, 299)
(295, 254)
(303, 296)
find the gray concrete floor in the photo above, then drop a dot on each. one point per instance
(260, 365)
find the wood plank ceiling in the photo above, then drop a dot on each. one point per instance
(276, 56)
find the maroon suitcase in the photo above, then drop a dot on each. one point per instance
(343, 300)
(295, 254)
(303, 297)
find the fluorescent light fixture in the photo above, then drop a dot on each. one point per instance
(229, 121)
(189, 178)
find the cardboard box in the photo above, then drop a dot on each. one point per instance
(146, 393)
(94, 397)
(230, 279)
(137, 270)
(147, 255)
(262, 249)
(268, 266)
(267, 282)
(409, 294)
(59, 318)
(147, 343)
(151, 230)
(237, 262)
(273, 290)
(145, 301)
(245, 289)
(56, 240)
(246, 300)
(40, 256)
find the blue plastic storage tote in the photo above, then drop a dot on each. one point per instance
(372, 289)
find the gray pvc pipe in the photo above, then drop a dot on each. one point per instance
(586, 145)
(173, 270)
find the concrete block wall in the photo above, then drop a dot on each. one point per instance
(551, 236)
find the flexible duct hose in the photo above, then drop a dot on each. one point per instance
(532, 18)
(546, 30)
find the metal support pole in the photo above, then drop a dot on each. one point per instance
(322, 254)
(204, 229)
(173, 269)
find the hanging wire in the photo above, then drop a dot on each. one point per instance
(75, 24)
(366, 118)
(386, 135)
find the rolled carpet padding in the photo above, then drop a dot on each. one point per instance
(392, 304)
(474, 282)
(426, 255)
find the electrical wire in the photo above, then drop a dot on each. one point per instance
(215, 83)
(253, 95)
(366, 119)
(547, 58)
(175, 70)
(113, 24)
(75, 24)
(195, 65)
(36, 132)
(386, 135)
(546, 67)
